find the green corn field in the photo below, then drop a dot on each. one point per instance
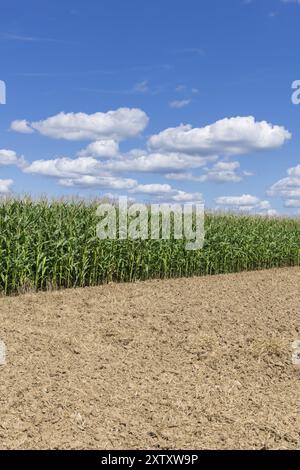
(53, 244)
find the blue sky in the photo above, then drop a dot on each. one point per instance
(162, 100)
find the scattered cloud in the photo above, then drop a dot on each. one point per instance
(224, 172)
(292, 203)
(120, 124)
(288, 188)
(157, 162)
(9, 157)
(166, 193)
(220, 172)
(64, 167)
(246, 203)
(22, 126)
(88, 172)
(184, 176)
(141, 87)
(138, 88)
(152, 189)
(30, 39)
(182, 196)
(187, 94)
(101, 149)
(25, 38)
(173, 153)
(5, 186)
(137, 161)
(178, 104)
(185, 89)
(229, 136)
(245, 200)
(99, 182)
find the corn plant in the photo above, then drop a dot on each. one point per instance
(53, 244)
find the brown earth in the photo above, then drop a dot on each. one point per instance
(188, 363)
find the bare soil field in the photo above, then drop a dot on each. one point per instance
(177, 364)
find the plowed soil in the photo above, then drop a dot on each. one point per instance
(200, 363)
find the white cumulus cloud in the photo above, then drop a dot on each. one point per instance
(244, 200)
(246, 203)
(152, 189)
(64, 167)
(229, 136)
(21, 126)
(99, 182)
(5, 186)
(220, 172)
(118, 125)
(157, 162)
(101, 149)
(9, 157)
(288, 188)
